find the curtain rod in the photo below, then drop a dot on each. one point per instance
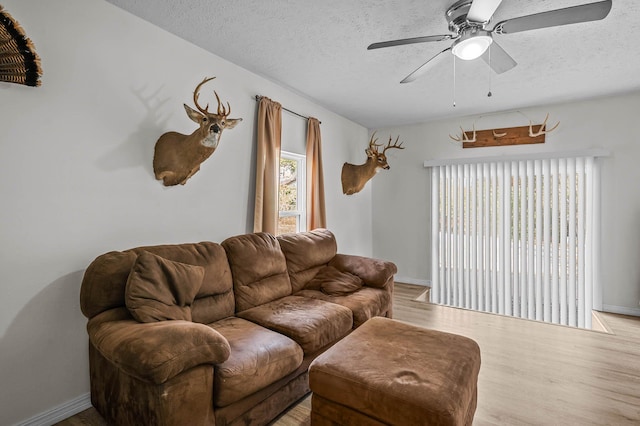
(258, 97)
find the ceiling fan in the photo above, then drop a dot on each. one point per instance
(467, 21)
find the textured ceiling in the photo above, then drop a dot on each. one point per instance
(318, 49)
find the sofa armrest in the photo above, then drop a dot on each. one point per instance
(157, 351)
(374, 272)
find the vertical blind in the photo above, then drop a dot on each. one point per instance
(517, 237)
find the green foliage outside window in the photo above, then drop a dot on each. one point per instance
(288, 195)
(288, 190)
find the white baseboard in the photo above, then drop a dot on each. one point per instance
(623, 310)
(60, 412)
(415, 281)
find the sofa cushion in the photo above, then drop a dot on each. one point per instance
(374, 272)
(312, 323)
(104, 282)
(335, 283)
(366, 303)
(307, 253)
(259, 269)
(258, 358)
(159, 289)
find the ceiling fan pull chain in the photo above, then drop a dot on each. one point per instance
(489, 71)
(454, 81)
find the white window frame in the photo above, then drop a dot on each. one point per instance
(301, 212)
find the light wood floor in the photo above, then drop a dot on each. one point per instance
(532, 373)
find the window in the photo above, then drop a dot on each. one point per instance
(291, 193)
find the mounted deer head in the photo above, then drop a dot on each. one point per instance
(354, 177)
(177, 157)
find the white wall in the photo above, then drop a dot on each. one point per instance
(76, 178)
(401, 205)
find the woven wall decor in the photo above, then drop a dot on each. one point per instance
(19, 62)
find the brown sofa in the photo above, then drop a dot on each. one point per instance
(221, 334)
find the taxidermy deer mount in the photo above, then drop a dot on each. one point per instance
(177, 157)
(354, 177)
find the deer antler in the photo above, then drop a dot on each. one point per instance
(395, 144)
(372, 143)
(222, 111)
(463, 137)
(196, 95)
(542, 130)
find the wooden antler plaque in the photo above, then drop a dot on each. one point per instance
(512, 136)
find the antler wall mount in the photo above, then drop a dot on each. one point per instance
(522, 135)
(177, 157)
(354, 177)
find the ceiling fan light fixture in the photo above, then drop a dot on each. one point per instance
(472, 45)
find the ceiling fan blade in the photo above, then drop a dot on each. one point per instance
(553, 18)
(482, 10)
(499, 60)
(422, 69)
(413, 40)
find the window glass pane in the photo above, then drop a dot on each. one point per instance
(287, 224)
(291, 193)
(288, 196)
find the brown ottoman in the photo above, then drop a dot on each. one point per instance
(389, 372)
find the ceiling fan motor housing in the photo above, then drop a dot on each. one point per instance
(456, 16)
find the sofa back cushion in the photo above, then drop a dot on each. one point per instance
(104, 282)
(333, 282)
(306, 254)
(159, 289)
(259, 269)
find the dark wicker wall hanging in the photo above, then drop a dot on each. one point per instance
(19, 62)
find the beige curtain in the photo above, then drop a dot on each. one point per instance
(316, 216)
(267, 166)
